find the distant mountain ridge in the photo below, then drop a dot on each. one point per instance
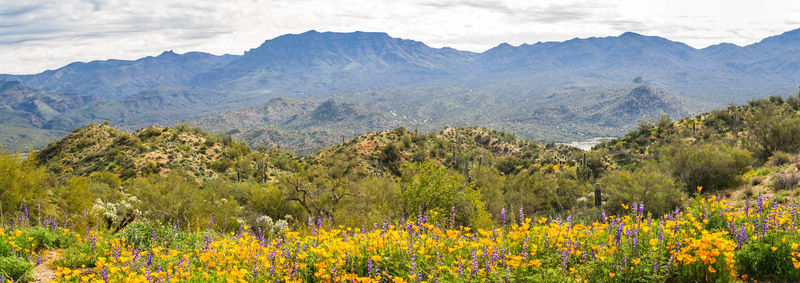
(505, 87)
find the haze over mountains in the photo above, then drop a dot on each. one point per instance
(332, 85)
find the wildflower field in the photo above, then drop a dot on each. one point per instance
(706, 239)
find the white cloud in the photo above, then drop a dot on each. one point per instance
(47, 34)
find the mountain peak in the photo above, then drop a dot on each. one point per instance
(168, 53)
(630, 34)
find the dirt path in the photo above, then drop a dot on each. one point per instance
(44, 272)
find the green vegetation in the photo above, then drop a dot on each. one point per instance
(183, 175)
(165, 180)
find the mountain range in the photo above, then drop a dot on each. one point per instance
(305, 91)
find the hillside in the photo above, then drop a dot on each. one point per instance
(456, 148)
(155, 149)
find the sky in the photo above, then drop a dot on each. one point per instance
(38, 35)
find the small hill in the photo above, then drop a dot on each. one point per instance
(456, 148)
(302, 126)
(155, 149)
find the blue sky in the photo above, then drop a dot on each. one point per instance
(37, 35)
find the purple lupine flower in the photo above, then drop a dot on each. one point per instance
(742, 237)
(488, 266)
(525, 248)
(93, 241)
(546, 240)
(760, 203)
(452, 217)
(746, 206)
(655, 266)
(521, 215)
(603, 215)
(255, 268)
(474, 261)
(438, 258)
(503, 215)
(564, 259)
(618, 237)
(641, 209)
(369, 267)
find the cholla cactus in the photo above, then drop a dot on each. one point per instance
(270, 226)
(122, 212)
(116, 211)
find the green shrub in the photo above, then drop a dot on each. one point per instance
(140, 235)
(79, 255)
(760, 262)
(779, 158)
(430, 187)
(46, 239)
(5, 248)
(785, 181)
(21, 182)
(646, 184)
(712, 166)
(16, 269)
(771, 130)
